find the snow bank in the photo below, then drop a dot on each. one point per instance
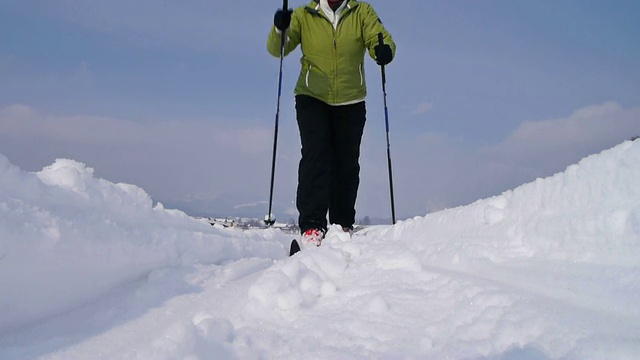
(549, 270)
(66, 237)
(590, 213)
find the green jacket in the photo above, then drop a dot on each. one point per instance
(332, 59)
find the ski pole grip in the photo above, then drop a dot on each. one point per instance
(380, 43)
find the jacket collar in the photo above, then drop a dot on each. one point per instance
(314, 6)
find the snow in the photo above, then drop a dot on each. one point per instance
(90, 269)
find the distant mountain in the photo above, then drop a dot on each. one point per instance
(227, 205)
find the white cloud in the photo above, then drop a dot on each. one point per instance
(20, 120)
(435, 169)
(588, 129)
(171, 159)
(422, 108)
(197, 159)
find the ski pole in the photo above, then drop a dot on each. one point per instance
(386, 120)
(269, 219)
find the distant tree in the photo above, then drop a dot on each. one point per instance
(635, 138)
(366, 220)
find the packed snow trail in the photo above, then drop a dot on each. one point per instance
(550, 270)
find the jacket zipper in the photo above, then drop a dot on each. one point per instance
(335, 52)
(335, 59)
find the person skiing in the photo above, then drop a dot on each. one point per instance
(330, 92)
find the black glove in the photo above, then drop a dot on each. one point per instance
(384, 55)
(282, 19)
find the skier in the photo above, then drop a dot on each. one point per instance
(330, 103)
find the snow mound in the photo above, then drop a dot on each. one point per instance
(590, 213)
(549, 270)
(67, 237)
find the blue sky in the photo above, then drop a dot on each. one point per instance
(179, 97)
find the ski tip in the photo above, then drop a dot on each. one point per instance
(295, 247)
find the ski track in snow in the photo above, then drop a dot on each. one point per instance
(546, 271)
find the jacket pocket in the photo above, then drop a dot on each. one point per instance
(317, 82)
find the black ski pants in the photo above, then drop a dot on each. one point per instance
(329, 172)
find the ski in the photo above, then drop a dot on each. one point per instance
(295, 247)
